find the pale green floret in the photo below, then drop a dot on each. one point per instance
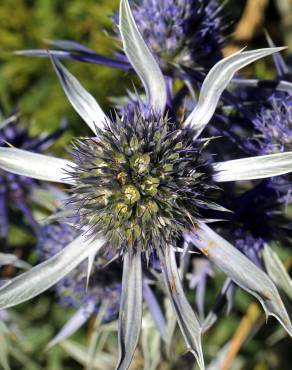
(131, 194)
(136, 178)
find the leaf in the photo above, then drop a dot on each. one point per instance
(88, 57)
(73, 324)
(79, 353)
(130, 317)
(281, 66)
(96, 337)
(141, 59)
(84, 103)
(253, 168)
(276, 270)
(154, 309)
(150, 343)
(187, 320)
(242, 271)
(46, 274)
(4, 362)
(34, 165)
(217, 80)
(11, 259)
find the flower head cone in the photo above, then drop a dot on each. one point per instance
(138, 186)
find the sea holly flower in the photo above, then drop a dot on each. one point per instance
(187, 31)
(15, 190)
(138, 187)
(273, 125)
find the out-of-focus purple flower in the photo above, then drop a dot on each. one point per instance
(189, 31)
(15, 189)
(259, 217)
(273, 125)
(73, 290)
(249, 245)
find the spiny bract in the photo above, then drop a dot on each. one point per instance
(104, 284)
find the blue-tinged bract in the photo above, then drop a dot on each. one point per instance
(72, 291)
(140, 183)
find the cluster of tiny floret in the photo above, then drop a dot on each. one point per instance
(274, 125)
(140, 182)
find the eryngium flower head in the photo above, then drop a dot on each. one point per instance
(140, 182)
(274, 124)
(74, 290)
(189, 31)
(15, 189)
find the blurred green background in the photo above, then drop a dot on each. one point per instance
(31, 84)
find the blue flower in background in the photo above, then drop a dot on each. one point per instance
(104, 284)
(273, 125)
(184, 31)
(260, 217)
(102, 291)
(15, 190)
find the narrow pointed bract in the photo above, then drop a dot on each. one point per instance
(154, 309)
(141, 59)
(11, 259)
(73, 324)
(84, 103)
(277, 270)
(242, 271)
(46, 274)
(252, 168)
(187, 320)
(280, 64)
(217, 80)
(90, 262)
(34, 165)
(130, 318)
